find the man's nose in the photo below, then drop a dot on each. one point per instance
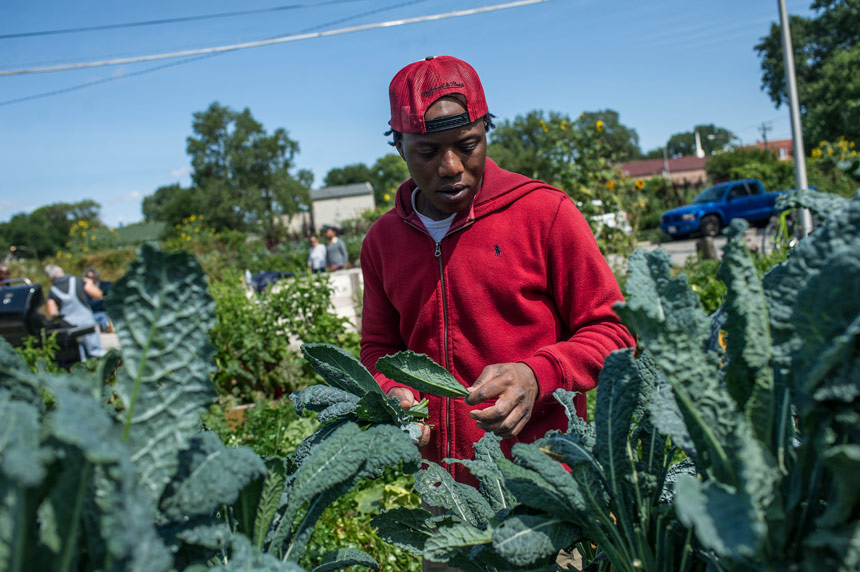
(451, 165)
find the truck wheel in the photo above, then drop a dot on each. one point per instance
(710, 225)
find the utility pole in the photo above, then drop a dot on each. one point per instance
(764, 128)
(796, 133)
(665, 163)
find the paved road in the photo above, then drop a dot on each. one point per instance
(680, 250)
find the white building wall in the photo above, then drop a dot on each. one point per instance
(332, 212)
(297, 224)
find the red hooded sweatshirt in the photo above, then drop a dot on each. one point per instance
(517, 278)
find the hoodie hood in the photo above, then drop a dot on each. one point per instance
(498, 189)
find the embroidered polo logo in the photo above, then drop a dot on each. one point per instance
(498, 250)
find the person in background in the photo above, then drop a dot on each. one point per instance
(335, 251)
(4, 273)
(68, 300)
(316, 255)
(96, 289)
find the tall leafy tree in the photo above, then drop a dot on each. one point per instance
(242, 172)
(713, 139)
(347, 175)
(621, 140)
(521, 145)
(387, 173)
(171, 204)
(46, 230)
(826, 59)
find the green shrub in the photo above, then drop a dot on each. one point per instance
(257, 335)
(658, 197)
(703, 280)
(39, 353)
(347, 522)
(270, 428)
(702, 277)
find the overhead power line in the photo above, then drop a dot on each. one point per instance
(171, 20)
(281, 40)
(193, 59)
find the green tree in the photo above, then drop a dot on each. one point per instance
(546, 146)
(46, 230)
(577, 157)
(171, 204)
(751, 163)
(622, 141)
(348, 175)
(242, 172)
(387, 174)
(826, 59)
(521, 144)
(713, 139)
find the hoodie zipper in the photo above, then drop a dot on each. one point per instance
(438, 255)
(447, 362)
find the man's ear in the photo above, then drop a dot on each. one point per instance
(399, 146)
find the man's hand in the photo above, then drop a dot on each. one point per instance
(515, 388)
(92, 289)
(407, 400)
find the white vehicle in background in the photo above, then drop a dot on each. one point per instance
(613, 219)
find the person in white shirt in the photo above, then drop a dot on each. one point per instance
(316, 255)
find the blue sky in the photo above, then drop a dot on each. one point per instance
(664, 65)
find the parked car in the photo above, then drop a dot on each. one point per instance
(716, 206)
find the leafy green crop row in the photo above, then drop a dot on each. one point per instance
(701, 456)
(120, 477)
(770, 428)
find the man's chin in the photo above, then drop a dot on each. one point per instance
(453, 202)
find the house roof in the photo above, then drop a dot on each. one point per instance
(650, 167)
(775, 145)
(340, 191)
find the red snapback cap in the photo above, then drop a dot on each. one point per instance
(418, 85)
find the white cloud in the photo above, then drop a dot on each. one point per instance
(127, 198)
(181, 173)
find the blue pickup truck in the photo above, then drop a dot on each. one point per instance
(716, 206)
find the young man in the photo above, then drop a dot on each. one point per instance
(493, 275)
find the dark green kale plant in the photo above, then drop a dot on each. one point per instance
(769, 427)
(350, 392)
(122, 478)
